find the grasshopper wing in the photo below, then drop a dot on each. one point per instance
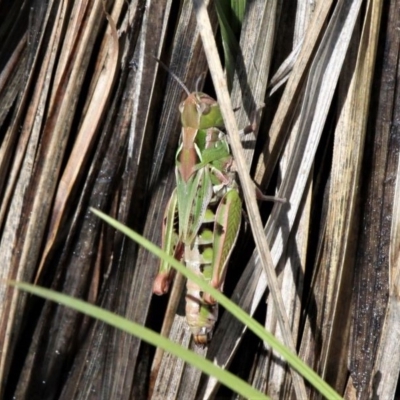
(226, 231)
(193, 198)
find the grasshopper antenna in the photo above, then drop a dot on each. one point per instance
(181, 84)
(198, 81)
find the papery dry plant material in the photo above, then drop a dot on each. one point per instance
(87, 119)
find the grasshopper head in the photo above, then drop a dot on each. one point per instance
(200, 111)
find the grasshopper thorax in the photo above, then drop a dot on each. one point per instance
(200, 111)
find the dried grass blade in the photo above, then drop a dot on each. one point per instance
(324, 75)
(17, 186)
(247, 185)
(293, 263)
(127, 286)
(105, 72)
(55, 133)
(177, 379)
(29, 116)
(252, 67)
(343, 200)
(287, 105)
(170, 320)
(387, 364)
(374, 362)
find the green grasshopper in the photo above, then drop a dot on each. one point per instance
(202, 219)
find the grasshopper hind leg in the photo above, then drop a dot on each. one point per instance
(171, 244)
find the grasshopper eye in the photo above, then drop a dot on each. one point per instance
(203, 108)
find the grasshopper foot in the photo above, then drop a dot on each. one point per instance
(261, 196)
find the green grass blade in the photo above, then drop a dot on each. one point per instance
(291, 358)
(230, 16)
(149, 336)
(238, 8)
